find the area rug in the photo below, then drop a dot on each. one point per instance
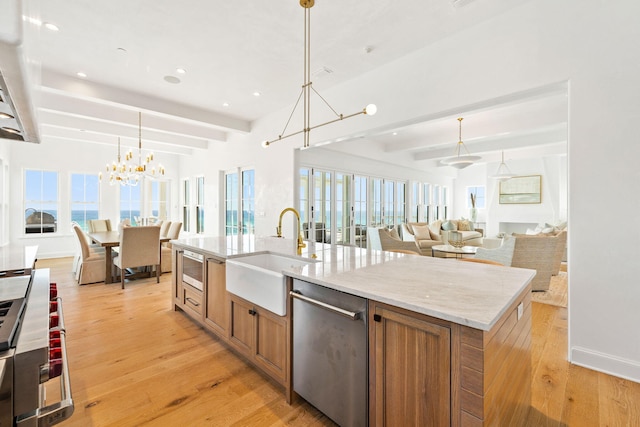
(557, 293)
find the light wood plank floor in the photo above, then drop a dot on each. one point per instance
(136, 362)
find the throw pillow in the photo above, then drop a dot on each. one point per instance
(464, 225)
(421, 232)
(435, 236)
(449, 226)
(435, 226)
(531, 232)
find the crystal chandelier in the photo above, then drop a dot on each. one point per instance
(128, 173)
(307, 87)
(461, 161)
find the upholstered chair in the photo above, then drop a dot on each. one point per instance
(536, 253)
(382, 239)
(97, 225)
(173, 234)
(139, 247)
(91, 268)
(164, 228)
(502, 255)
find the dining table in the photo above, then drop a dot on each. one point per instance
(110, 240)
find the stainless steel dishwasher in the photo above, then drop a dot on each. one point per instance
(330, 363)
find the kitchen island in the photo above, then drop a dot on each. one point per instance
(449, 341)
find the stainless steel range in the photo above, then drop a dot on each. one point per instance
(32, 350)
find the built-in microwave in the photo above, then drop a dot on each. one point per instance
(193, 269)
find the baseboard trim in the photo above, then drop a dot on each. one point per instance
(606, 363)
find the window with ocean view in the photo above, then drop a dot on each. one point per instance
(239, 202)
(200, 204)
(40, 201)
(85, 199)
(130, 203)
(186, 205)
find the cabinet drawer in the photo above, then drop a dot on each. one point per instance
(192, 299)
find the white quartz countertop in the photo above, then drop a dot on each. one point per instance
(17, 257)
(470, 294)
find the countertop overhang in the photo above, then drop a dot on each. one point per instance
(470, 294)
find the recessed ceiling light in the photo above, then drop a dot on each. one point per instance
(225, 104)
(171, 79)
(181, 70)
(121, 50)
(256, 93)
(394, 133)
(51, 27)
(81, 74)
(6, 116)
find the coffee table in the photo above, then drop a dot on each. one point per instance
(449, 249)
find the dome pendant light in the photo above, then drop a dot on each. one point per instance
(461, 161)
(503, 173)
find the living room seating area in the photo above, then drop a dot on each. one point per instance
(426, 235)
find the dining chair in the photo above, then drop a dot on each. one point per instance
(173, 234)
(139, 247)
(97, 225)
(164, 228)
(91, 268)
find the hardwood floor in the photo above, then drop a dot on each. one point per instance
(134, 361)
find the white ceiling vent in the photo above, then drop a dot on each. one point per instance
(460, 3)
(321, 72)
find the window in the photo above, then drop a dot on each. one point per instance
(401, 203)
(248, 200)
(428, 211)
(186, 205)
(200, 204)
(479, 192)
(40, 201)
(445, 202)
(360, 210)
(239, 202)
(414, 209)
(85, 199)
(130, 203)
(231, 204)
(343, 208)
(322, 205)
(304, 201)
(159, 199)
(436, 203)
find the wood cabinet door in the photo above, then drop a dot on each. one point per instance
(241, 327)
(271, 343)
(216, 304)
(410, 361)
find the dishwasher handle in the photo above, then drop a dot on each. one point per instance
(342, 312)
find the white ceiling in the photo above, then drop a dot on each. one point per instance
(231, 49)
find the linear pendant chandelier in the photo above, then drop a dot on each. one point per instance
(307, 87)
(461, 161)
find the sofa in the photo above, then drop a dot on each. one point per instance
(427, 235)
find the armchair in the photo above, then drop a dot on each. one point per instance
(382, 239)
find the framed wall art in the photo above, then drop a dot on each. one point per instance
(521, 190)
